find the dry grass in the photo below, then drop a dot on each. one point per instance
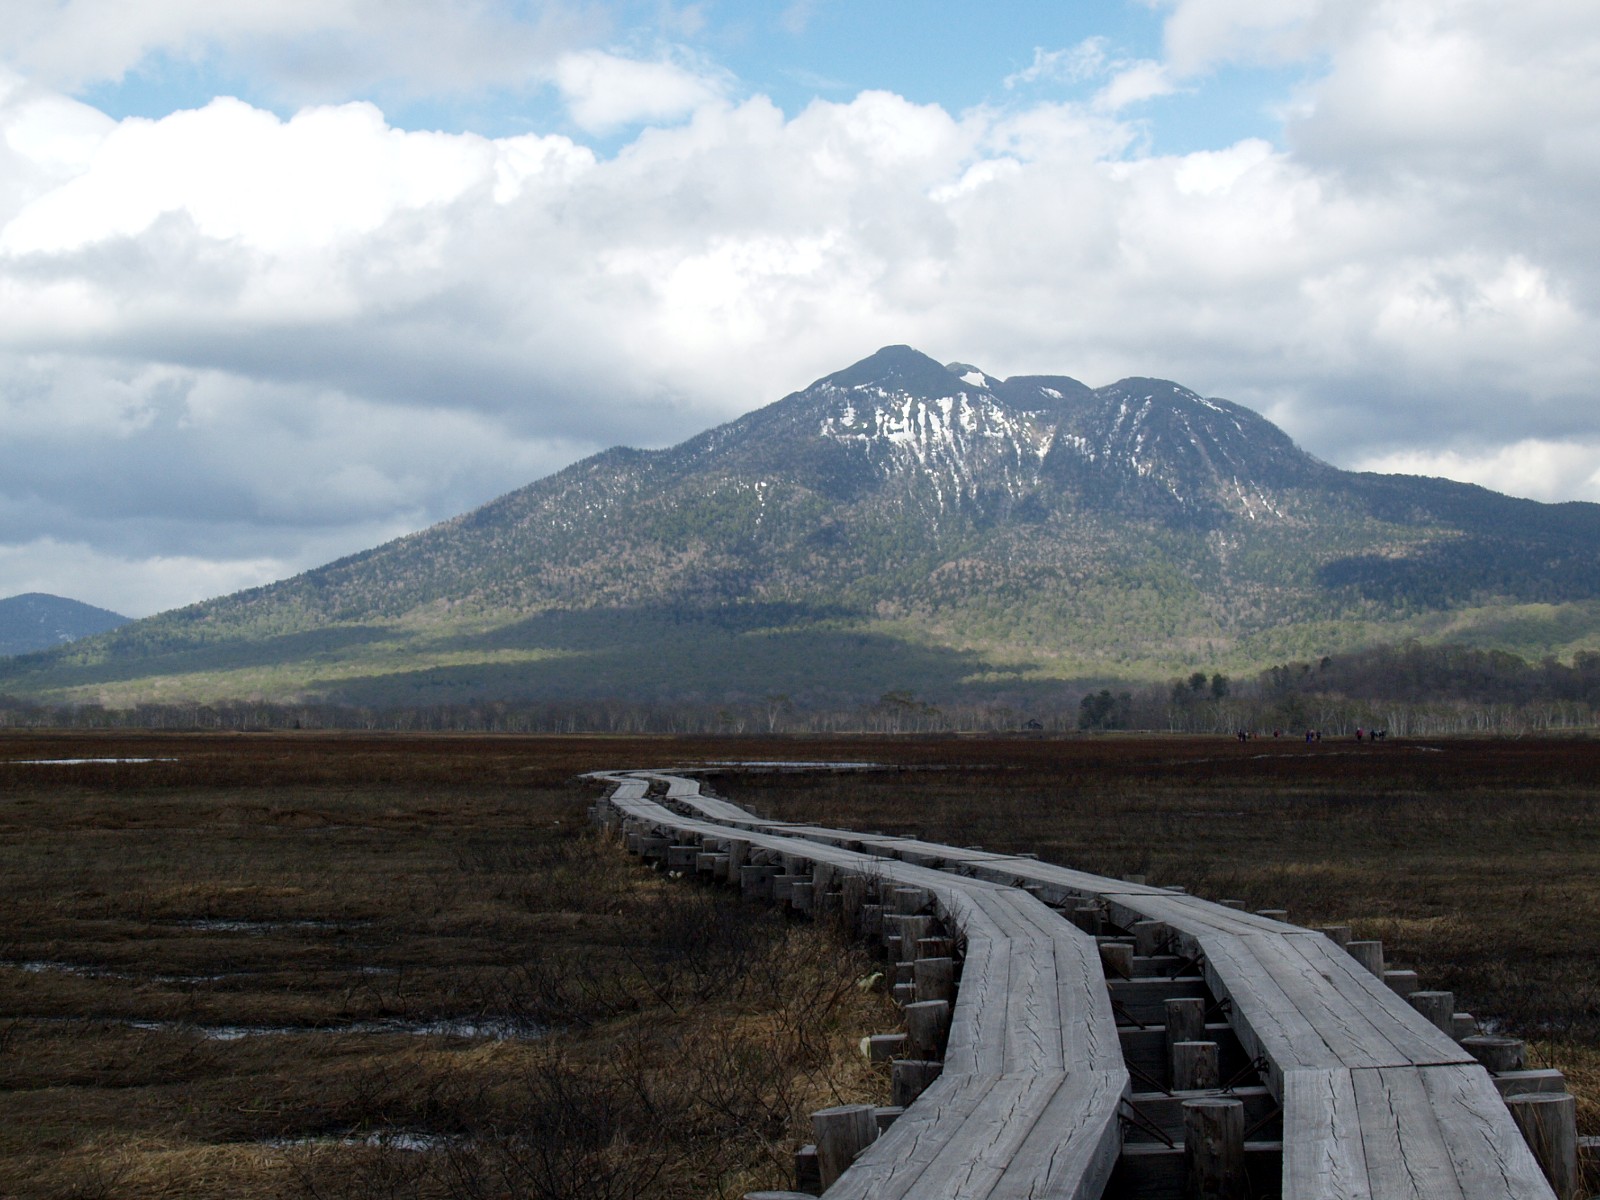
(413, 878)
(333, 893)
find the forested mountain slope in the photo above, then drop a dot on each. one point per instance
(900, 524)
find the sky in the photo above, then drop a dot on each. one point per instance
(283, 279)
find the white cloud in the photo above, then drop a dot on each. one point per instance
(134, 587)
(605, 91)
(1133, 83)
(1533, 468)
(309, 49)
(1073, 64)
(235, 338)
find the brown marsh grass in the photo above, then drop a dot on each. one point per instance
(325, 885)
(340, 967)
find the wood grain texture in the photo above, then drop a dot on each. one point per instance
(1378, 1101)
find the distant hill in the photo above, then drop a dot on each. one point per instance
(37, 621)
(900, 524)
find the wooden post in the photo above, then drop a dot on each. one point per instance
(909, 1078)
(872, 923)
(935, 978)
(842, 1133)
(1369, 955)
(936, 947)
(910, 900)
(1339, 934)
(681, 857)
(1438, 1007)
(1149, 937)
(801, 898)
(912, 930)
(1117, 959)
(1496, 1053)
(1087, 918)
(1549, 1124)
(807, 1174)
(822, 875)
(1463, 1025)
(881, 1047)
(738, 855)
(1213, 1149)
(1195, 1065)
(755, 883)
(1403, 982)
(1231, 903)
(1274, 914)
(1186, 1019)
(927, 1024)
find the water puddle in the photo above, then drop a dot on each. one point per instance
(478, 1029)
(384, 1139)
(78, 762)
(230, 925)
(788, 765)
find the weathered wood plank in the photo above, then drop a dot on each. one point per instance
(1324, 1156)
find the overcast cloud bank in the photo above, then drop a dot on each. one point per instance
(234, 344)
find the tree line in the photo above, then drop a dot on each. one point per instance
(1409, 689)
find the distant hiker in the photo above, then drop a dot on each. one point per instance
(1358, 733)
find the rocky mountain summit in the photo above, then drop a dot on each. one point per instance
(897, 524)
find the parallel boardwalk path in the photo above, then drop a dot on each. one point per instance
(1377, 1101)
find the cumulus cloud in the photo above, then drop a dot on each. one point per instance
(1533, 467)
(307, 50)
(605, 91)
(235, 338)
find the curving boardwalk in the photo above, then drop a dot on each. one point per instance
(1377, 1102)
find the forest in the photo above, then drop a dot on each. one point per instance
(1409, 689)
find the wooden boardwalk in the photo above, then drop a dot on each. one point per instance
(1376, 1100)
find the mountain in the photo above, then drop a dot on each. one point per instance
(36, 621)
(900, 524)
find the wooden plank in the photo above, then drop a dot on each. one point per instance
(1267, 1022)
(1491, 1159)
(1072, 1148)
(1033, 1017)
(1324, 1157)
(893, 1164)
(1412, 1038)
(1402, 1143)
(1089, 1029)
(980, 1151)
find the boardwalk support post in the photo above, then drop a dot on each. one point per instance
(1498, 1054)
(842, 1133)
(1369, 954)
(1549, 1124)
(927, 1024)
(909, 1078)
(1195, 1066)
(1213, 1149)
(1438, 1007)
